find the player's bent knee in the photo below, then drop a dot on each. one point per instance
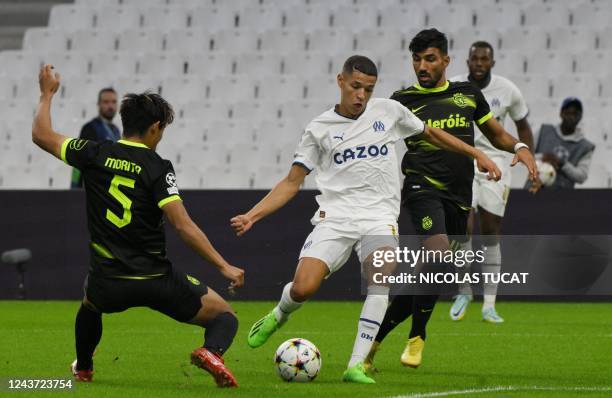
(301, 292)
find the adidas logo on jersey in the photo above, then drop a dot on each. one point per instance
(360, 152)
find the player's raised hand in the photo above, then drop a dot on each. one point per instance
(235, 275)
(488, 166)
(525, 156)
(241, 224)
(48, 80)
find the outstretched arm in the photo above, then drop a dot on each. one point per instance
(42, 129)
(282, 193)
(524, 132)
(195, 238)
(501, 139)
(443, 140)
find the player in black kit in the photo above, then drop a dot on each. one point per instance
(129, 189)
(437, 190)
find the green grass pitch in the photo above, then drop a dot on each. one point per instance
(543, 350)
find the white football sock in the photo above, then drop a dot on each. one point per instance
(286, 305)
(465, 287)
(492, 264)
(371, 317)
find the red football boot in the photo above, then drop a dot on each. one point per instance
(213, 364)
(81, 375)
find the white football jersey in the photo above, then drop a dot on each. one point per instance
(355, 161)
(504, 99)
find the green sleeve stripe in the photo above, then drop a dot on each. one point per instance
(484, 118)
(76, 175)
(102, 251)
(63, 150)
(169, 199)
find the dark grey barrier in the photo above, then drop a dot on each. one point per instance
(52, 225)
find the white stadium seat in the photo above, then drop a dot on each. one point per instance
(450, 18)
(307, 64)
(308, 18)
(113, 64)
(572, 39)
(17, 63)
(140, 40)
(43, 39)
(276, 87)
(257, 18)
(283, 40)
(604, 39)
(258, 64)
(407, 18)
(553, 15)
(164, 18)
(235, 41)
(549, 62)
(188, 41)
(230, 88)
(117, 18)
(212, 19)
(509, 62)
(466, 36)
(590, 15)
(331, 41)
(356, 18)
(68, 16)
(374, 42)
(93, 40)
(594, 62)
(498, 17)
(183, 89)
(576, 85)
(209, 64)
(526, 39)
(160, 64)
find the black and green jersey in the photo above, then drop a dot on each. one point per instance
(126, 185)
(454, 107)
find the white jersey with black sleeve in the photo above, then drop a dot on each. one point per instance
(355, 161)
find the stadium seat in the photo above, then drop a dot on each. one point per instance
(307, 18)
(143, 3)
(212, 19)
(321, 88)
(204, 112)
(355, 18)
(228, 132)
(554, 15)
(594, 62)
(113, 64)
(407, 18)
(68, 16)
(183, 89)
(19, 63)
(307, 64)
(37, 39)
(533, 86)
(201, 156)
(300, 112)
(331, 41)
(93, 40)
(219, 177)
(256, 112)
(275, 87)
(590, 15)
(209, 64)
(549, 62)
(497, 17)
(266, 177)
(141, 40)
(388, 84)
(278, 134)
(26, 88)
(606, 87)
(138, 84)
(257, 18)
(188, 41)
(67, 64)
(230, 88)
(164, 18)
(525, 39)
(236, 41)
(118, 18)
(375, 42)
(85, 88)
(572, 39)
(160, 64)
(577, 85)
(283, 41)
(396, 64)
(258, 65)
(466, 36)
(604, 39)
(509, 63)
(450, 18)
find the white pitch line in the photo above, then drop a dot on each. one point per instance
(503, 388)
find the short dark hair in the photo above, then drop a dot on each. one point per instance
(140, 111)
(361, 64)
(482, 44)
(105, 90)
(429, 38)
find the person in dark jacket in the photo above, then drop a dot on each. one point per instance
(100, 128)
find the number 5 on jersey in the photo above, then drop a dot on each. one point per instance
(122, 199)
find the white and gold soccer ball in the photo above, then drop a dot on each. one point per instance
(546, 172)
(297, 359)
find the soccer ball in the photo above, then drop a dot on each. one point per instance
(546, 172)
(297, 360)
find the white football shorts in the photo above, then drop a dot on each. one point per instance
(492, 195)
(331, 241)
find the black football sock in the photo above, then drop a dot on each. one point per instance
(399, 310)
(220, 333)
(422, 309)
(88, 332)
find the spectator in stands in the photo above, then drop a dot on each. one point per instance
(101, 128)
(565, 147)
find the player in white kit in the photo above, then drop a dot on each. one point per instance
(489, 198)
(351, 146)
